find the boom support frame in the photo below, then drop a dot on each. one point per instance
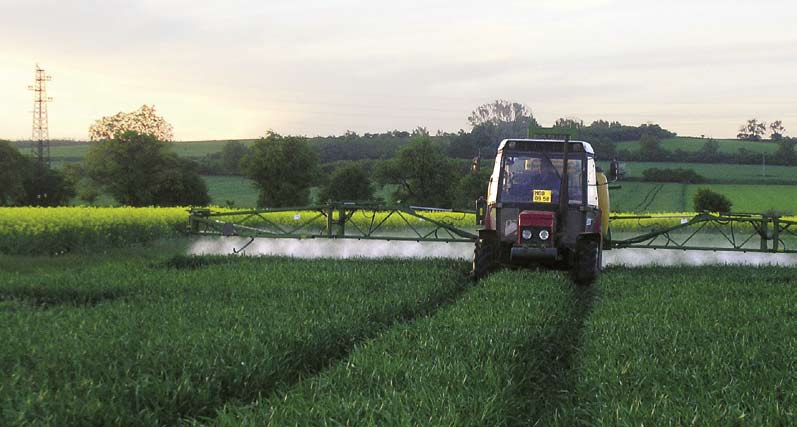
(728, 232)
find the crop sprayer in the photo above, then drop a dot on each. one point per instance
(547, 203)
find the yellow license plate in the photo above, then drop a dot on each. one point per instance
(541, 196)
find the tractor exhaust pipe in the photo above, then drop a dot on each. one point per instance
(564, 197)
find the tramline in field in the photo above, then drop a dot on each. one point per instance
(547, 204)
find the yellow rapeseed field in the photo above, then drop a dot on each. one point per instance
(52, 230)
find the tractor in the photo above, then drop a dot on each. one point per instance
(547, 204)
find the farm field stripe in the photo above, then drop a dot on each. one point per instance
(546, 373)
(631, 195)
(462, 366)
(678, 346)
(183, 343)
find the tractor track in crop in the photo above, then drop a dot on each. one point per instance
(649, 198)
(545, 374)
(304, 369)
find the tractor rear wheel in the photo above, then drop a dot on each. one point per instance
(588, 260)
(483, 259)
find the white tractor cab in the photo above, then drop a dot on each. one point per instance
(546, 204)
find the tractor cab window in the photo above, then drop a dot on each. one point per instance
(531, 178)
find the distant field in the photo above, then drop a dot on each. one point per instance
(669, 197)
(243, 194)
(649, 197)
(76, 151)
(754, 198)
(221, 189)
(727, 146)
(742, 174)
(237, 189)
(202, 148)
(192, 149)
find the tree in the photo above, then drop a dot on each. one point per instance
(179, 184)
(284, 168)
(785, 152)
(46, 187)
(231, 155)
(86, 190)
(139, 170)
(420, 131)
(143, 121)
(14, 167)
(498, 112)
(464, 145)
(425, 176)
(707, 200)
(348, 182)
(777, 130)
(501, 119)
(710, 149)
(650, 147)
(568, 123)
(24, 183)
(753, 130)
(469, 188)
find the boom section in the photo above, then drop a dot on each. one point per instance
(337, 220)
(731, 232)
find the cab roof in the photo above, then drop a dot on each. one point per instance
(585, 145)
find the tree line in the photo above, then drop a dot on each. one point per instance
(137, 166)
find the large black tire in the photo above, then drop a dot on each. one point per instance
(588, 260)
(483, 260)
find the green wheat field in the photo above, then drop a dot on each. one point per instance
(147, 336)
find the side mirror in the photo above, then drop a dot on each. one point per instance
(481, 210)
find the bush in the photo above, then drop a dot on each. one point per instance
(12, 174)
(469, 188)
(24, 183)
(47, 187)
(180, 184)
(686, 176)
(347, 182)
(707, 200)
(225, 162)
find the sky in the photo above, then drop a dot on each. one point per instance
(235, 69)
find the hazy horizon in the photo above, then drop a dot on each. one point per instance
(235, 70)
